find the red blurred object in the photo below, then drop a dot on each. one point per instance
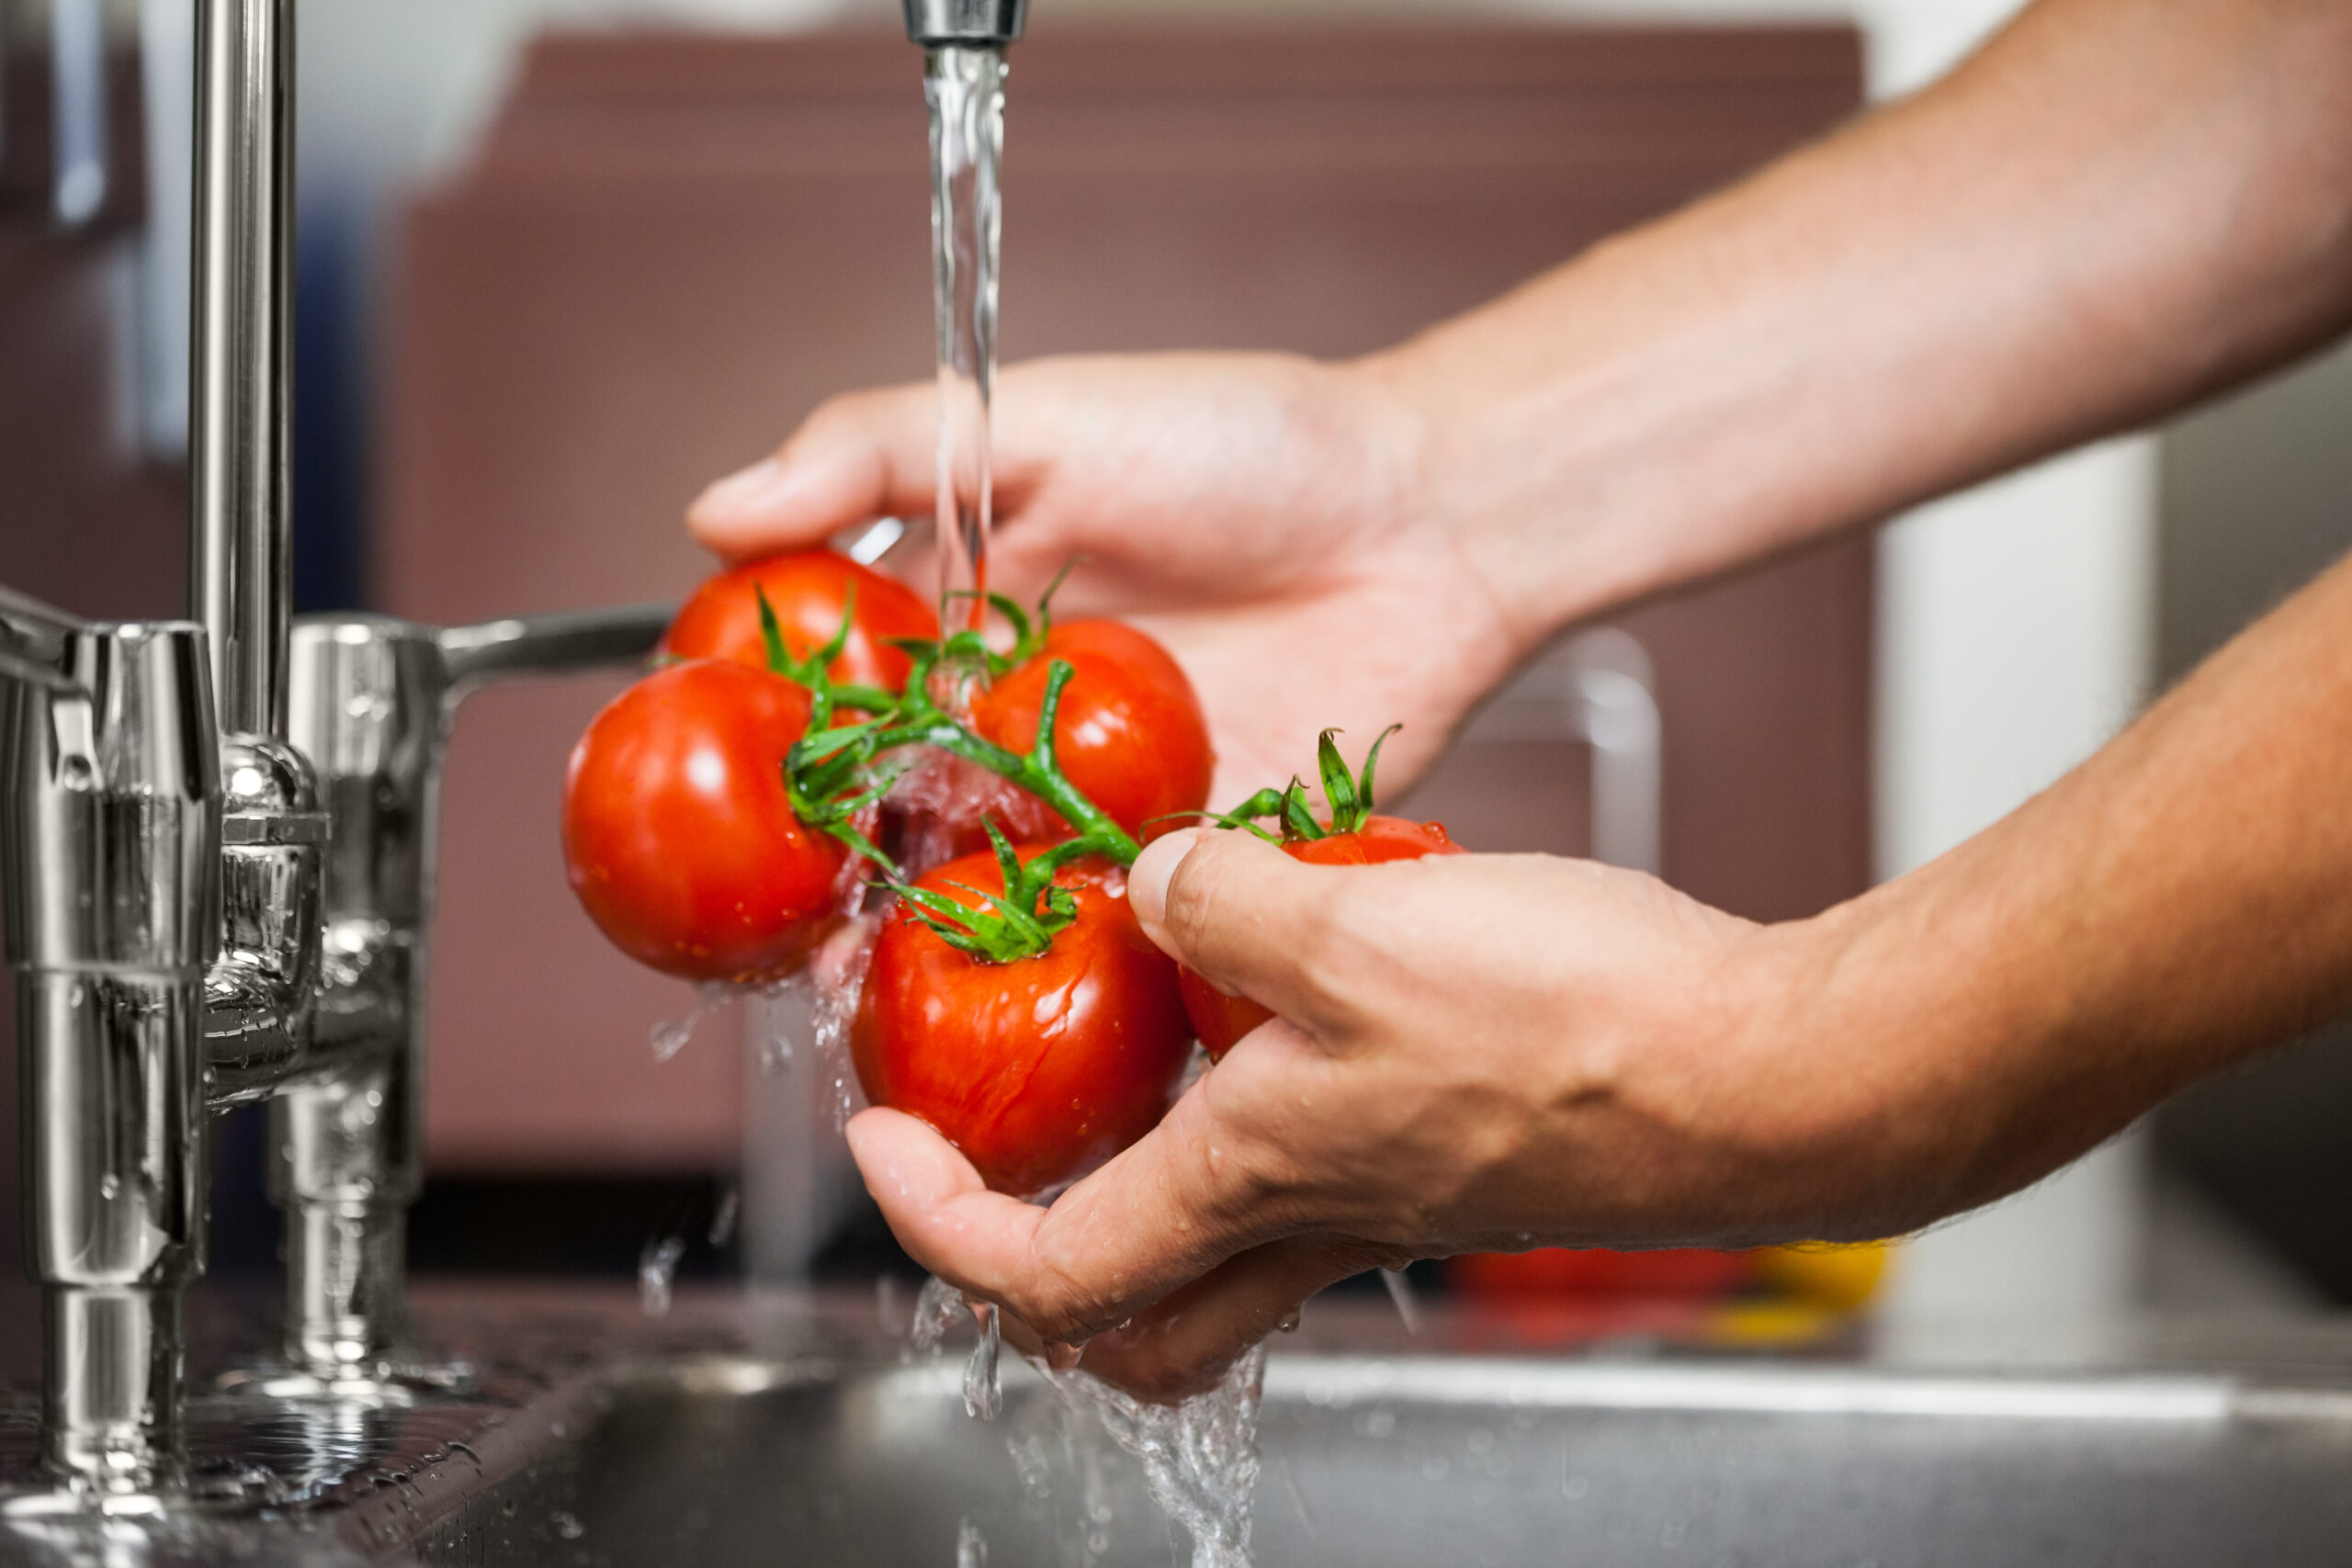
(1564, 1272)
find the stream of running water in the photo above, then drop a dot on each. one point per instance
(965, 88)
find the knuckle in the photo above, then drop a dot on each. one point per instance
(1206, 912)
(1254, 1159)
(1336, 950)
(1059, 1304)
(847, 416)
(828, 419)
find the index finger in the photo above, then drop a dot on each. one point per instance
(859, 457)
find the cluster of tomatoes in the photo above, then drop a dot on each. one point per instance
(808, 730)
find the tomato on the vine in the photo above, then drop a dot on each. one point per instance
(808, 590)
(679, 834)
(1038, 1066)
(1130, 734)
(1354, 836)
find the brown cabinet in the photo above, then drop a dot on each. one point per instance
(672, 247)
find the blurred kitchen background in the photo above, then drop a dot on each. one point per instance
(563, 261)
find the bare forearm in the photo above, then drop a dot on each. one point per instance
(2118, 206)
(2181, 900)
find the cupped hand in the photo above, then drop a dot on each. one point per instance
(1471, 1053)
(1263, 515)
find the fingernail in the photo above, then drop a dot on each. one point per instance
(761, 487)
(1154, 869)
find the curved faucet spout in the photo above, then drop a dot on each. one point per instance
(371, 699)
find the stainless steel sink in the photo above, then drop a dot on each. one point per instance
(1377, 1461)
(807, 1434)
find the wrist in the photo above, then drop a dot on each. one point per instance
(1881, 1063)
(1580, 453)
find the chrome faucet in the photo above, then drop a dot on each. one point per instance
(111, 842)
(948, 24)
(215, 857)
(372, 700)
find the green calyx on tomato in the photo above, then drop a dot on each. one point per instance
(1037, 1071)
(831, 772)
(1349, 795)
(824, 692)
(1020, 922)
(970, 650)
(806, 591)
(875, 690)
(1354, 836)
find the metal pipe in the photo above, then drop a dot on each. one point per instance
(552, 644)
(1613, 696)
(240, 582)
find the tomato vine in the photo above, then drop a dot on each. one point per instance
(836, 772)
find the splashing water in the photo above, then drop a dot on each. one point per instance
(835, 979)
(830, 988)
(670, 1037)
(1401, 1291)
(657, 1271)
(722, 1222)
(774, 1045)
(1199, 1458)
(983, 1378)
(938, 1309)
(965, 88)
(942, 798)
(971, 1546)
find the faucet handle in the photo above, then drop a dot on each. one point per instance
(370, 699)
(551, 644)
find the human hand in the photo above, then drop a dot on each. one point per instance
(1262, 515)
(1472, 1053)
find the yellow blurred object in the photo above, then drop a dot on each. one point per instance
(1831, 1274)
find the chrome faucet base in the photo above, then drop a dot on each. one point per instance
(119, 1433)
(111, 856)
(345, 1179)
(370, 702)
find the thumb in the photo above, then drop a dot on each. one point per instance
(862, 455)
(1241, 913)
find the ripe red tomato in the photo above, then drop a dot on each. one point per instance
(807, 589)
(1130, 734)
(1222, 1020)
(1038, 1068)
(678, 834)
